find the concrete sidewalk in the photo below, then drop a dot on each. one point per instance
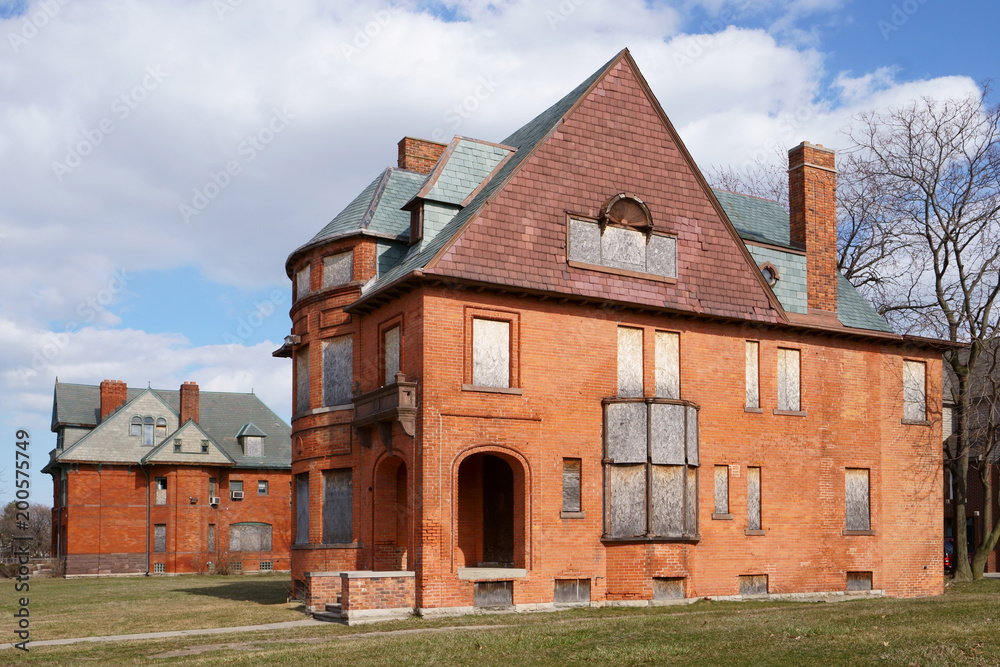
(173, 633)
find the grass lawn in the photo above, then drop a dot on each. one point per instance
(961, 627)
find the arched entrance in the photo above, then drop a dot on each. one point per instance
(490, 511)
(391, 516)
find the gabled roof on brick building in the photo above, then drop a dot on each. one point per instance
(190, 436)
(221, 417)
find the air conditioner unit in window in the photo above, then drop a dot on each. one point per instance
(214, 500)
(236, 495)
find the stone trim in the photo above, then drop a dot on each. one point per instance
(493, 390)
(789, 413)
(491, 573)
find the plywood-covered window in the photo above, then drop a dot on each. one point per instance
(914, 391)
(651, 459)
(250, 536)
(160, 537)
(302, 508)
(211, 538)
(571, 485)
(857, 496)
(302, 379)
(338, 269)
(302, 277)
(338, 506)
(668, 364)
(629, 362)
(753, 498)
(752, 354)
(390, 354)
(161, 491)
(253, 446)
(789, 388)
(161, 427)
(338, 370)
(490, 353)
(722, 490)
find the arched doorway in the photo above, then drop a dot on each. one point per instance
(490, 511)
(391, 516)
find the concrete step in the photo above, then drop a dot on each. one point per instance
(327, 616)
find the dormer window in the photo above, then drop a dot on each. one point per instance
(136, 426)
(770, 273)
(161, 427)
(147, 431)
(251, 439)
(623, 240)
(177, 445)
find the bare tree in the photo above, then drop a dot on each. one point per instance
(767, 180)
(38, 528)
(984, 433)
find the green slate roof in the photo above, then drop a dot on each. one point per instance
(378, 208)
(250, 429)
(468, 165)
(756, 219)
(766, 221)
(221, 416)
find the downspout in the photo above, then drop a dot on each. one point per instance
(146, 473)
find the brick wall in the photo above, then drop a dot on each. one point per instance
(812, 204)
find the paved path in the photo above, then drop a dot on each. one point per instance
(173, 633)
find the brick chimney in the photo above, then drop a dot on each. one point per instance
(419, 155)
(189, 402)
(812, 203)
(114, 393)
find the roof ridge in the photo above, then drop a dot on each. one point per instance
(743, 194)
(369, 213)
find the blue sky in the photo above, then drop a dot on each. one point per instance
(115, 116)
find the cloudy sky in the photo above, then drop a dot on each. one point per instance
(160, 160)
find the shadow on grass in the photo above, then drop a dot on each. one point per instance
(261, 592)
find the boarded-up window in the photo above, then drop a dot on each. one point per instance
(302, 508)
(856, 493)
(668, 588)
(338, 506)
(252, 445)
(160, 537)
(914, 391)
(302, 379)
(161, 427)
(250, 537)
(622, 248)
(788, 380)
(571, 485)
(753, 584)
(656, 472)
(752, 375)
(490, 353)
(302, 282)
(390, 354)
(668, 365)
(212, 487)
(947, 422)
(211, 538)
(859, 581)
(493, 593)
(569, 591)
(753, 498)
(722, 489)
(629, 362)
(161, 491)
(338, 370)
(338, 269)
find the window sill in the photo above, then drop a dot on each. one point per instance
(335, 545)
(915, 422)
(789, 413)
(722, 517)
(748, 531)
(572, 515)
(320, 411)
(756, 411)
(688, 539)
(620, 272)
(857, 532)
(493, 390)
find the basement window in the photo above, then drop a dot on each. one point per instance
(266, 566)
(493, 594)
(858, 582)
(572, 591)
(753, 584)
(159, 568)
(668, 588)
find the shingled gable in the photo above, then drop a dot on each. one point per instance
(119, 447)
(191, 437)
(608, 136)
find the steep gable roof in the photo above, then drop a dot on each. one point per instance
(191, 436)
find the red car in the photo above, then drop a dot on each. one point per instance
(949, 552)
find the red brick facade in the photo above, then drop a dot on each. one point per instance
(424, 503)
